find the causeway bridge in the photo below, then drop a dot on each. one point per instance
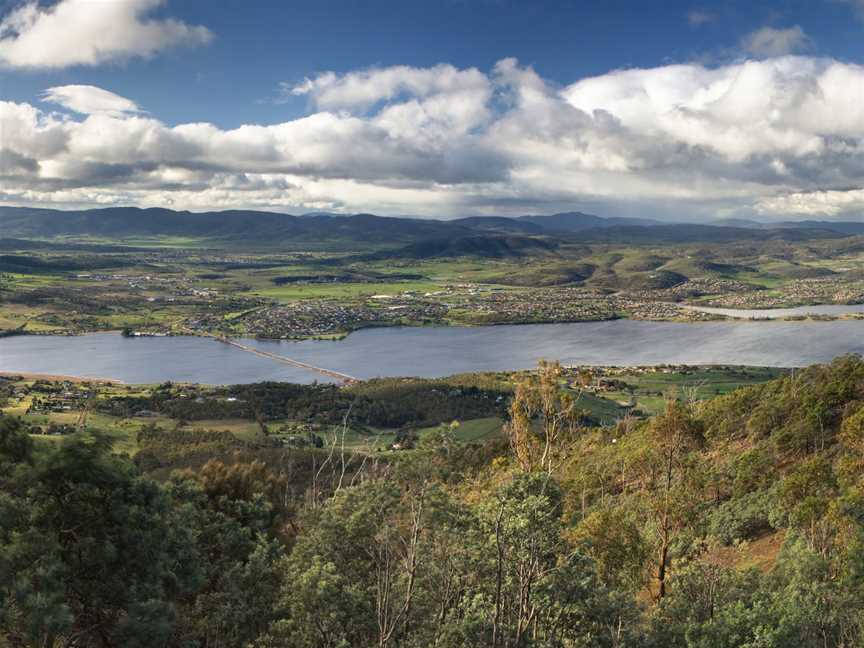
(330, 373)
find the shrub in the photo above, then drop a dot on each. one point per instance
(742, 518)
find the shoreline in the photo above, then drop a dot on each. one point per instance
(338, 337)
(28, 375)
(644, 368)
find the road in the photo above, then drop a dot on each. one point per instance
(338, 375)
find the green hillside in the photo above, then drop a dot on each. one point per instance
(733, 521)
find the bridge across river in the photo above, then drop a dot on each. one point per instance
(330, 373)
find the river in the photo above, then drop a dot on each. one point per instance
(433, 352)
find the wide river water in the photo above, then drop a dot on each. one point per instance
(432, 352)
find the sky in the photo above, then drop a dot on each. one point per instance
(444, 108)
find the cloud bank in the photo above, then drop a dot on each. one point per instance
(77, 32)
(780, 137)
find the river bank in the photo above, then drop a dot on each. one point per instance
(709, 314)
(28, 376)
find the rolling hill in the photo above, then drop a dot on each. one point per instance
(119, 223)
(508, 236)
(487, 247)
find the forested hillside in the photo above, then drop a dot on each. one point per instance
(737, 521)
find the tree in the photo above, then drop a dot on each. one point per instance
(91, 555)
(354, 579)
(543, 417)
(808, 497)
(523, 522)
(442, 438)
(531, 587)
(812, 603)
(710, 605)
(672, 474)
(237, 581)
(852, 442)
(611, 536)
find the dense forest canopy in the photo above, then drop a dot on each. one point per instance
(381, 402)
(734, 522)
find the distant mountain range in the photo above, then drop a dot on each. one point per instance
(564, 222)
(849, 228)
(484, 236)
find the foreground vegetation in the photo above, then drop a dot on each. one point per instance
(732, 521)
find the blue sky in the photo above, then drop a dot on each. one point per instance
(464, 106)
(257, 45)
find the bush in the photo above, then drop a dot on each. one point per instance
(742, 518)
(753, 470)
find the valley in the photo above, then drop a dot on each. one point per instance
(431, 324)
(373, 272)
(282, 399)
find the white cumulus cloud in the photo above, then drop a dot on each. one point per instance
(780, 137)
(368, 87)
(89, 100)
(89, 32)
